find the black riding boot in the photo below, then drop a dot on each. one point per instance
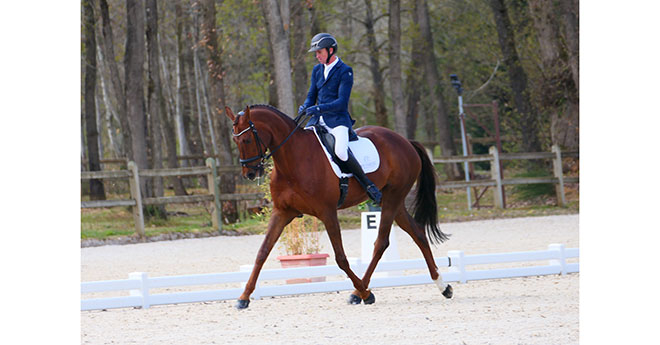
(354, 167)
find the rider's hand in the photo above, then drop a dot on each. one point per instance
(314, 110)
(301, 110)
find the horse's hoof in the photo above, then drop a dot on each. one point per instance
(352, 299)
(242, 304)
(371, 299)
(449, 291)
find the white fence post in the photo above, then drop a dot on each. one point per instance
(457, 265)
(561, 256)
(144, 288)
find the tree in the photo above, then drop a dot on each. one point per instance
(394, 34)
(115, 80)
(559, 95)
(154, 96)
(281, 60)
(517, 78)
(96, 189)
(217, 105)
(378, 91)
(433, 83)
(300, 47)
(133, 67)
(182, 100)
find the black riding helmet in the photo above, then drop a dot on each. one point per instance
(324, 40)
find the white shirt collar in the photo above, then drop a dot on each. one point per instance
(327, 68)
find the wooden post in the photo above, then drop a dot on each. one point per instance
(134, 183)
(559, 174)
(212, 178)
(498, 193)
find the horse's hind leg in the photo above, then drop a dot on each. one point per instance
(408, 224)
(380, 245)
(278, 220)
(334, 233)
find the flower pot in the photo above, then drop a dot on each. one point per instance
(303, 260)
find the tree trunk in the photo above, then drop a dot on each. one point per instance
(378, 92)
(300, 44)
(394, 34)
(517, 78)
(155, 97)
(217, 103)
(183, 101)
(110, 112)
(168, 129)
(559, 91)
(134, 69)
(96, 190)
(216, 73)
(269, 74)
(570, 13)
(433, 82)
(280, 42)
(115, 79)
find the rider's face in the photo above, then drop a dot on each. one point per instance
(322, 55)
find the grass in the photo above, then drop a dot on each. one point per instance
(108, 223)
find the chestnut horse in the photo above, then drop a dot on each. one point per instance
(302, 182)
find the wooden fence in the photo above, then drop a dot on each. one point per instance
(496, 180)
(133, 175)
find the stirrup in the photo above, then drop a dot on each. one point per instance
(374, 194)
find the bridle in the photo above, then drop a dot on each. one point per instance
(261, 147)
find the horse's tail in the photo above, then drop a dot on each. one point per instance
(425, 209)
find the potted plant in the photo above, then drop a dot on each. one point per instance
(300, 240)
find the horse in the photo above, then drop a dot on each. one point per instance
(302, 182)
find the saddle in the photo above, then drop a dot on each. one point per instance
(328, 141)
(364, 151)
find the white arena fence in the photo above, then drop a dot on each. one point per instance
(139, 284)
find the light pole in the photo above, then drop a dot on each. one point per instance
(461, 115)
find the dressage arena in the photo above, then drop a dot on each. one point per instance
(529, 310)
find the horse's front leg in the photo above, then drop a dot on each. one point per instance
(278, 220)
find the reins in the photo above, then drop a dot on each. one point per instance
(264, 157)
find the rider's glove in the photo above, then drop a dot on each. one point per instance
(301, 110)
(314, 110)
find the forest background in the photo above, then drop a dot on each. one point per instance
(41, 142)
(156, 76)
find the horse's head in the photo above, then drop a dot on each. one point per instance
(252, 145)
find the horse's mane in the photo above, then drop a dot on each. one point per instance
(275, 110)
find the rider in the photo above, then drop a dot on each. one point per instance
(327, 102)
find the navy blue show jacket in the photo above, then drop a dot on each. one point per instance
(331, 95)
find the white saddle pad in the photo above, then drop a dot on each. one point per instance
(364, 150)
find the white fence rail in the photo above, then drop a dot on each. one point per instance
(138, 284)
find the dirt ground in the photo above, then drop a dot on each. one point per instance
(531, 310)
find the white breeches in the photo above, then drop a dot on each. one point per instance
(341, 139)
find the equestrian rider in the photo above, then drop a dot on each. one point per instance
(327, 103)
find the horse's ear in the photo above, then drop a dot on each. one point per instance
(230, 114)
(247, 112)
